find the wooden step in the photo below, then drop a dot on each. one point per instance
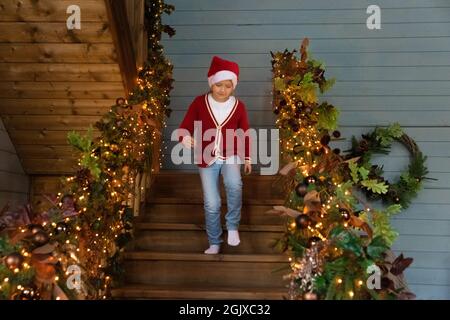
(255, 239)
(189, 226)
(198, 292)
(186, 188)
(197, 199)
(170, 256)
(194, 213)
(195, 269)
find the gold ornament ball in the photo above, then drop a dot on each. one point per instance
(310, 296)
(114, 148)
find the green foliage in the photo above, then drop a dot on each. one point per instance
(6, 247)
(357, 172)
(320, 284)
(364, 173)
(317, 64)
(387, 135)
(328, 117)
(343, 194)
(354, 171)
(381, 225)
(279, 84)
(417, 168)
(325, 86)
(295, 245)
(375, 186)
(347, 240)
(83, 144)
(393, 209)
(377, 247)
(308, 81)
(24, 277)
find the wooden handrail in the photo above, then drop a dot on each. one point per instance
(120, 30)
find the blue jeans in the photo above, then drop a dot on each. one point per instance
(231, 173)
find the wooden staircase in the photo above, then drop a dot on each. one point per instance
(166, 259)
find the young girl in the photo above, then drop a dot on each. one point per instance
(222, 113)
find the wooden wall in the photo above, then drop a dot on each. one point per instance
(14, 183)
(399, 73)
(54, 80)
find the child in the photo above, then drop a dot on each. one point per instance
(220, 112)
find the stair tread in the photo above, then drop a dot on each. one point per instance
(189, 174)
(194, 214)
(199, 200)
(196, 292)
(201, 227)
(149, 255)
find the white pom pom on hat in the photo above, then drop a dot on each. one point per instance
(222, 69)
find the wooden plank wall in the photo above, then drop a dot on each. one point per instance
(399, 73)
(54, 80)
(14, 183)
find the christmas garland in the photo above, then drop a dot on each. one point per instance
(332, 236)
(379, 141)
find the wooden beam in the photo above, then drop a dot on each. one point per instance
(59, 103)
(61, 94)
(58, 53)
(61, 86)
(50, 166)
(85, 107)
(121, 35)
(25, 107)
(41, 184)
(104, 72)
(49, 122)
(135, 12)
(61, 90)
(39, 151)
(44, 137)
(50, 32)
(51, 10)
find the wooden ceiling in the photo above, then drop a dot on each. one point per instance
(54, 80)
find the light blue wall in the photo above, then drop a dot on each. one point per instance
(399, 73)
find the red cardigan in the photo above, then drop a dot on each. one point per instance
(200, 110)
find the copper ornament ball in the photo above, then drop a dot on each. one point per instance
(14, 260)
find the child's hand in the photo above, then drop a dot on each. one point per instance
(248, 168)
(188, 142)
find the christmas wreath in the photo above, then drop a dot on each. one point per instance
(369, 177)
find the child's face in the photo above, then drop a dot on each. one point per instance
(222, 90)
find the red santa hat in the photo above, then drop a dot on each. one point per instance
(222, 69)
